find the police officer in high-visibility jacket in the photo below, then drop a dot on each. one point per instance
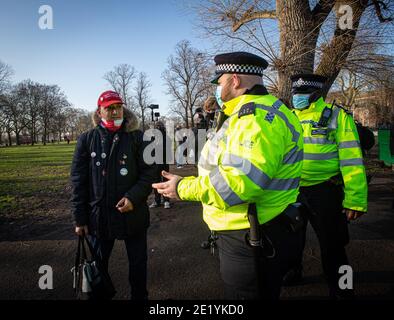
(333, 182)
(254, 160)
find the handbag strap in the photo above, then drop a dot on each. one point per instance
(82, 241)
(78, 254)
(92, 251)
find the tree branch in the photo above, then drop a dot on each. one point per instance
(251, 15)
(321, 10)
(378, 8)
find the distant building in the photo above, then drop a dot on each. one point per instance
(372, 109)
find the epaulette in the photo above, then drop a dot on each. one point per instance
(247, 109)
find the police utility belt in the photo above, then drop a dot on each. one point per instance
(291, 218)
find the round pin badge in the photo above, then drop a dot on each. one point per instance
(123, 171)
(98, 163)
(93, 154)
(103, 155)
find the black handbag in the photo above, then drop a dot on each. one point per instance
(90, 279)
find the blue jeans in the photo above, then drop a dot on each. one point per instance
(136, 247)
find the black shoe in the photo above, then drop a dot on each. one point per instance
(293, 277)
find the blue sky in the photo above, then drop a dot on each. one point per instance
(89, 38)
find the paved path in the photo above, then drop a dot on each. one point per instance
(180, 269)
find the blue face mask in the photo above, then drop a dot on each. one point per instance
(218, 96)
(301, 101)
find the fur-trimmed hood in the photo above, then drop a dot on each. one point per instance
(131, 122)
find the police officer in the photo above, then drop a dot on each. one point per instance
(333, 181)
(254, 160)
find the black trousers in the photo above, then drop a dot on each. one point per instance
(330, 226)
(136, 248)
(243, 279)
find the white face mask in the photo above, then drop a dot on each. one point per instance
(118, 122)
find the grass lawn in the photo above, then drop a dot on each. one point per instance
(31, 174)
(34, 178)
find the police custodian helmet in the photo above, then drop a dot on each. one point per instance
(306, 82)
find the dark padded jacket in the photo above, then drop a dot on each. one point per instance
(107, 167)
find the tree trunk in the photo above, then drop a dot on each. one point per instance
(298, 39)
(187, 117)
(44, 136)
(191, 116)
(32, 132)
(17, 136)
(335, 54)
(143, 119)
(9, 138)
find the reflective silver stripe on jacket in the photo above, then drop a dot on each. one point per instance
(351, 162)
(293, 156)
(310, 140)
(320, 156)
(209, 162)
(223, 189)
(259, 177)
(349, 144)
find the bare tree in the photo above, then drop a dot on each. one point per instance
(59, 122)
(5, 121)
(83, 122)
(53, 99)
(29, 95)
(187, 80)
(120, 79)
(73, 116)
(383, 101)
(142, 95)
(351, 85)
(314, 36)
(5, 74)
(13, 111)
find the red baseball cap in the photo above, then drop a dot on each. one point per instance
(108, 98)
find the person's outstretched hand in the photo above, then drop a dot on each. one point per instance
(168, 188)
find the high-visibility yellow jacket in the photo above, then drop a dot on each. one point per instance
(256, 157)
(331, 150)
